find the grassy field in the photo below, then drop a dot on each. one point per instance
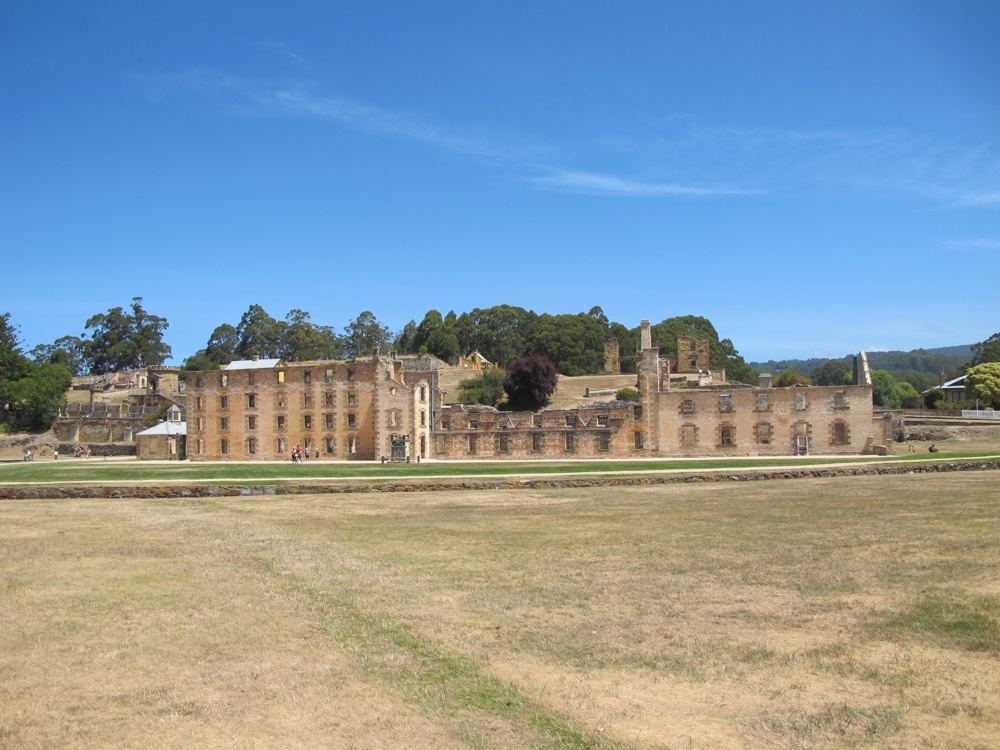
(826, 613)
(131, 470)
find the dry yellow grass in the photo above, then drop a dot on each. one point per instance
(857, 612)
(569, 393)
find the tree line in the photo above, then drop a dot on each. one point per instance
(30, 393)
(920, 368)
(132, 338)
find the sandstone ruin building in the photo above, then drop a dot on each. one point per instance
(389, 408)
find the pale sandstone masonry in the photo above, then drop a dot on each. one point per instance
(676, 415)
(260, 410)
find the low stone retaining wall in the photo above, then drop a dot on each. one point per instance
(435, 485)
(595, 392)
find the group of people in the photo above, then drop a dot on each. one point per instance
(299, 455)
(80, 452)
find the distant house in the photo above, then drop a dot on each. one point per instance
(475, 361)
(954, 390)
(166, 441)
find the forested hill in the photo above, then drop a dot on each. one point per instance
(920, 366)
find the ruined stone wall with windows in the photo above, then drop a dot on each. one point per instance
(352, 410)
(766, 421)
(692, 354)
(601, 430)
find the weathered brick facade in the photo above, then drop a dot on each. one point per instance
(692, 354)
(598, 430)
(260, 410)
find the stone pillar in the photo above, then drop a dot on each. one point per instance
(648, 382)
(612, 365)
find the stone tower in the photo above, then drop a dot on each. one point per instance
(692, 354)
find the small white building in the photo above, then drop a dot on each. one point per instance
(166, 441)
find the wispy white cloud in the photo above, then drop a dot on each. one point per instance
(891, 160)
(377, 121)
(959, 246)
(593, 183)
(980, 199)
(282, 48)
(299, 98)
(682, 158)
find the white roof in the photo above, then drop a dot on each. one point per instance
(253, 364)
(166, 428)
(955, 383)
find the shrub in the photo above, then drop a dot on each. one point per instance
(789, 378)
(627, 394)
(530, 381)
(933, 398)
(485, 389)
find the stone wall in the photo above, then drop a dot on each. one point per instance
(161, 447)
(181, 491)
(96, 429)
(351, 410)
(590, 431)
(766, 421)
(345, 410)
(612, 363)
(692, 354)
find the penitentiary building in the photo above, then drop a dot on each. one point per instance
(390, 408)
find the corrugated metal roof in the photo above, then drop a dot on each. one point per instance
(254, 364)
(166, 428)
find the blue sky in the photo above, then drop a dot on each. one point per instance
(814, 178)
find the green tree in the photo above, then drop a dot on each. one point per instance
(789, 378)
(485, 389)
(13, 364)
(575, 343)
(260, 335)
(501, 333)
(198, 362)
(986, 351)
(122, 340)
(884, 390)
(934, 397)
(443, 344)
(834, 372)
(364, 334)
(598, 314)
(983, 382)
(432, 322)
(34, 400)
(627, 394)
(70, 351)
(403, 342)
(907, 395)
(223, 345)
(303, 341)
(529, 382)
